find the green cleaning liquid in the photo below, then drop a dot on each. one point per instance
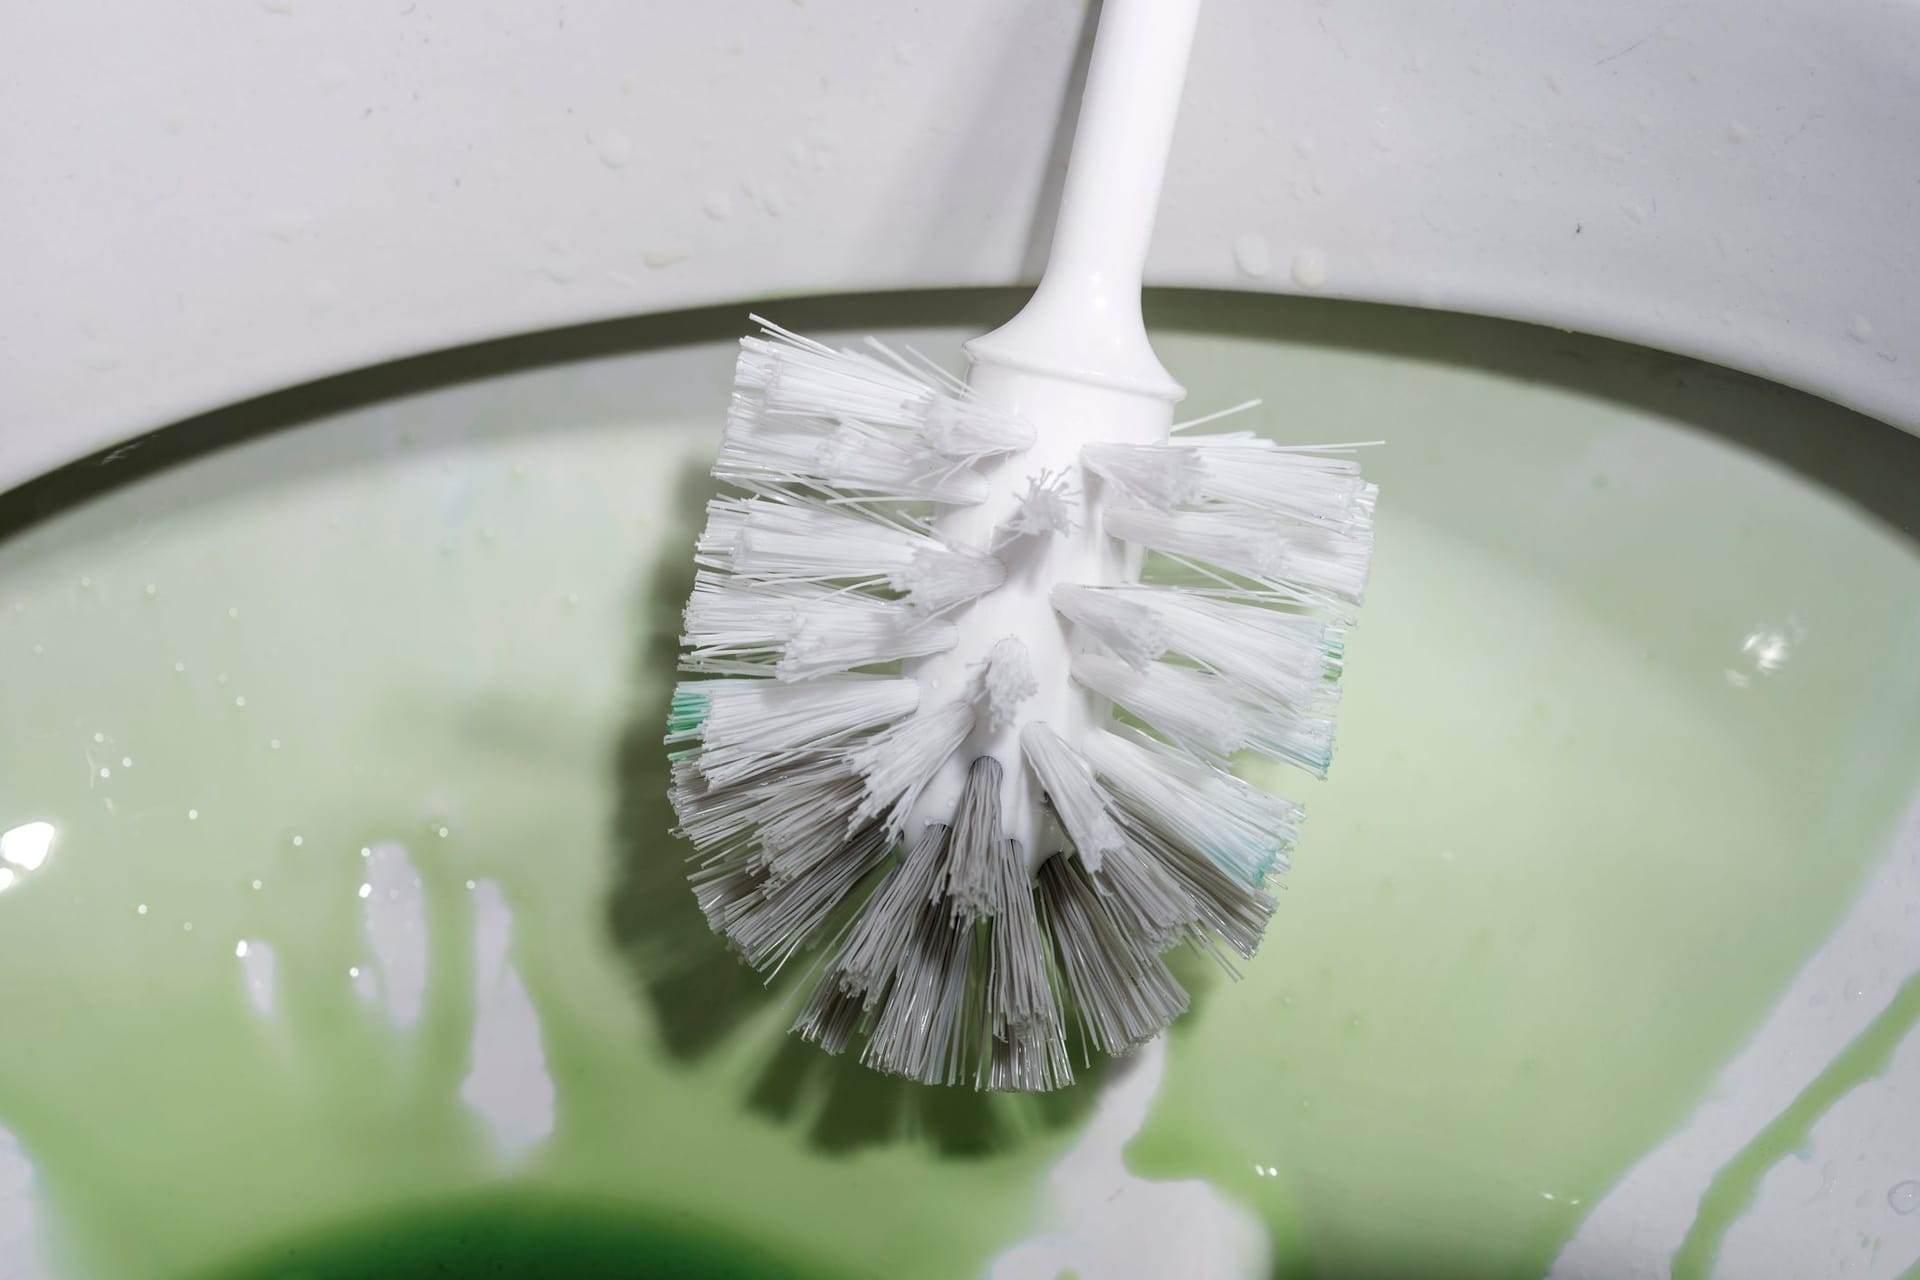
(1628, 717)
(517, 1238)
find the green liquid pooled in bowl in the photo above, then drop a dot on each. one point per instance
(1628, 716)
(516, 1239)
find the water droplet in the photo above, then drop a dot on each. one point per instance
(366, 891)
(193, 815)
(187, 927)
(256, 884)
(470, 884)
(180, 668)
(614, 149)
(1904, 1197)
(1252, 255)
(233, 611)
(1309, 269)
(299, 841)
(354, 972)
(240, 700)
(441, 832)
(99, 737)
(152, 590)
(142, 908)
(273, 744)
(106, 772)
(126, 762)
(366, 852)
(240, 948)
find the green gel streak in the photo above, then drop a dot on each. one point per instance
(1733, 1189)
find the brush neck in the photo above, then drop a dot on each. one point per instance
(1084, 321)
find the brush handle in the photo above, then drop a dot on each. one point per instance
(1084, 322)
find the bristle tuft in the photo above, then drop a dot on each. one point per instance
(1122, 993)
(895, 765)
(1007, 681)
(1076, 800)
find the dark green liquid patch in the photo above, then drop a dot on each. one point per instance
(518, 1238)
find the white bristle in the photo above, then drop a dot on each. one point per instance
(1270, 652)
(799, 377)
(761, 448)
(1207, 715)
(1314, 564)
(1007, 681)
(790, 541)
(1315, 484)
(1245, 830)
(1046, 508)
(1157, 475)
(742, 726)
(1070, 787)
(896, 764)
(1116, 619)
(799, 632)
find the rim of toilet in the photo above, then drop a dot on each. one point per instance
(210, 205)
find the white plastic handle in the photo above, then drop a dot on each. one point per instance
(1084, 320)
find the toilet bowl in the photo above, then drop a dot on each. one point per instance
(361, 366)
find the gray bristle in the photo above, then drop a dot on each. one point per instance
(878, 940)
(1029, 1049)
(1145, 899)
(946, 970)
(772, 922)
(969, 878)
(1226, 907)
(1123, 993)
(921, 1031)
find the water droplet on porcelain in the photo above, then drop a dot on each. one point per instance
(1252, 255)
(615, 150)
(1309, 269)
(1904, 1197)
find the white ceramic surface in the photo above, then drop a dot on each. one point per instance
(209, 200)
